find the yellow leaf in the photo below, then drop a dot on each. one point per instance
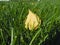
(32, 21)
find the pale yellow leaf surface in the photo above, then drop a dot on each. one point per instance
(32, 21)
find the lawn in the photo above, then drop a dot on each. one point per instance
(12, 22)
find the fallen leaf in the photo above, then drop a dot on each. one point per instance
(32, 21)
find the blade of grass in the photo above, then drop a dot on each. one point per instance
(3, 43)
(34, 37)
(43, 40)
(11, 36)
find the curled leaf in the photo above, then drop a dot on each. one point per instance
(32, 21)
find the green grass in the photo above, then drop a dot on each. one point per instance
(13, 14)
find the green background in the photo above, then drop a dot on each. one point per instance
(12, 16)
